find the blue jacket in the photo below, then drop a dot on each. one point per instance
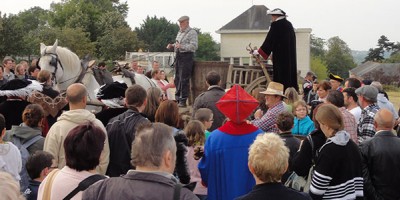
(224, 167)
(303, 126)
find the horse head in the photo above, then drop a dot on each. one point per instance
(61, 62)
(49, 61)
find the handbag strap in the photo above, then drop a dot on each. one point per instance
(312, 148)
(49, 184)
(83, 185)
(177, 191)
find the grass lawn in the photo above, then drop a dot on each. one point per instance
(394, 97)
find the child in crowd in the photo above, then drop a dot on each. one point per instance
(303, 125)
(38, 166)
(205, 116)
(312, 95)
(284, 123)
(10, 157)
(196, 139)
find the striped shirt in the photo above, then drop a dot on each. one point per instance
(338, 170)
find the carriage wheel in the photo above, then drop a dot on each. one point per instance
(257, 82)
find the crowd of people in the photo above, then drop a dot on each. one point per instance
(332, 141)
(236, 146)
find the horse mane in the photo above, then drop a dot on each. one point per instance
(68, 57)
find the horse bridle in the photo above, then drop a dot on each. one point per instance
(53, 62)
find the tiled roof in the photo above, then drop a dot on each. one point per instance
(254, 18)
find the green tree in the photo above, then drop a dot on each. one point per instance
(319, 67)
(74, 39)
(208, 49)
(84, 14)
(11, 36)
(317, 46)
(114, 44)
(156, 33)
(338, 57)
(377, 54)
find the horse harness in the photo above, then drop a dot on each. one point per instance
(55, 61)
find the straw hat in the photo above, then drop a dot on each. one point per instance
(274, 88)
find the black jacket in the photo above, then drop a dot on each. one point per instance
(293, 144)
(274, 191)
(281, 41)
(303, 159)
(381, 166)
(208, 99)
(121, 133)
(181, 169)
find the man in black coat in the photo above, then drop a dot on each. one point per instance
(121, 131)
(281, 41)
(209, 98)
(380, 153)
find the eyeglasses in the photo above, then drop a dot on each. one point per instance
(301, 109)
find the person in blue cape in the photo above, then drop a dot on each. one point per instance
(223, 167)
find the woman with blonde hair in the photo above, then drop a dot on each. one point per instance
(154, 98)
(268, 161)
(291, 97)
(338, 170)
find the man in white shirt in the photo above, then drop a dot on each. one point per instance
(350, 102)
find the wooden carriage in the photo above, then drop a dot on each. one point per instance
(248, 77)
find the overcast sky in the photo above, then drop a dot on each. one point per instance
(358, 22)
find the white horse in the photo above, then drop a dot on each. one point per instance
(67, 69)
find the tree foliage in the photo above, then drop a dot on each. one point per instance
(377, 54)
(317, 46)
(319, 67)
(208, 49)
(338, 57)
(114, 44)
(11, 36)
(156, 33)
(84, 14)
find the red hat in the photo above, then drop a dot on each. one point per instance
(237, 104)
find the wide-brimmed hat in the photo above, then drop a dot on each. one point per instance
(237, 104)
(20, 88)
(276, 11)
(335, 77)
(274, 88)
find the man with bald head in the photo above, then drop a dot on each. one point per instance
(381, 159)
(54, 143)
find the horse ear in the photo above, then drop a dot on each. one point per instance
(42, 48)
(53, 49)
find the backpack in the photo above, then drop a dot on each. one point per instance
(301, 183)
(23, 149)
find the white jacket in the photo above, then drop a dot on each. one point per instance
(54, 142)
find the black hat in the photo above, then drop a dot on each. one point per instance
(335, 77)
(112, 90)
(20, 87)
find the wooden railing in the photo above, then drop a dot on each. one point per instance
(248, 77)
